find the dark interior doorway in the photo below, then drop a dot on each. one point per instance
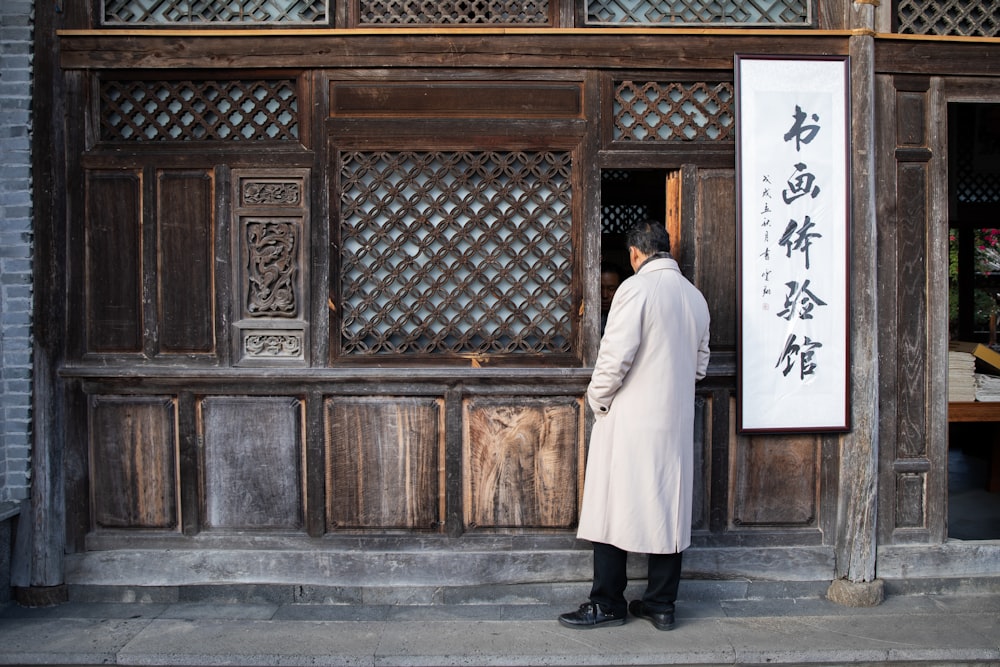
(629, 196)
(974, 311)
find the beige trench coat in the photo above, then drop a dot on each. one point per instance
(638, 486)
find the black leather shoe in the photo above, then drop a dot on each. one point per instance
(590, 615)
(661, 620)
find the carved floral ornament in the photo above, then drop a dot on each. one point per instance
(284, 344)
(269, 193)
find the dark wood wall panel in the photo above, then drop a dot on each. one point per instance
(522, 462)
(910, 492)
(905, 233)
(775, 480)
(385, 462)
(911, 112)
(185, 244)
(133, 459)
(701, 494)
(253, 470)
(911, 311)
(113, 280)
(458, 99)
(715, 248)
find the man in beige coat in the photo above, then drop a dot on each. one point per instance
(638, 491)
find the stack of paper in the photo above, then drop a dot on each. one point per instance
(961, 376)
(987, 387)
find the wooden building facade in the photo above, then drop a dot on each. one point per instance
(317, 286)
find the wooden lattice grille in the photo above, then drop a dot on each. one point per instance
(446, 12)
(948, 17)
(700, 12)
(456, 252)
(657, 111)
(619, 218)
(246, 110)
(975, 158)
(165, 12)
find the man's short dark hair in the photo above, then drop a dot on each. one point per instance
(649, 237)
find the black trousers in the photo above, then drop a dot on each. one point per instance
(610, 579)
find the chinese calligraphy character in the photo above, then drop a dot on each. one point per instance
(802, 239)
(802, 296)
(803, 134)
(803, 353)
(800, 183)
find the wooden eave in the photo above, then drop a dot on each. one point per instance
(476, 48)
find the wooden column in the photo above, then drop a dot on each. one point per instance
(37, 569)
(855, 582)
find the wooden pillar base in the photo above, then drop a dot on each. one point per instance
(856, 593)
(41, 596)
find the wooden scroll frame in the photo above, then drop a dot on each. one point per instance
(793, 178)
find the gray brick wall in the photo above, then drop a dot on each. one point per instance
(15, 247)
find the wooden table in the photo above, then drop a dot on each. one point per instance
(988, 411)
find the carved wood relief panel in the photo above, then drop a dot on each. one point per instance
(523, 462)
(271, 222)
(133, 460)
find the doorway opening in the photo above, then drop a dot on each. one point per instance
(629, 196)
(974, 312)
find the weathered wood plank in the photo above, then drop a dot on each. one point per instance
(456, 99)
(714, 243)
(911, 327)
(522, 462)
(596, 48)
(133, 455)
(185, 202)
(385, 462)
(113, 283)
(253, 458)
(775, 481)
(902, 54)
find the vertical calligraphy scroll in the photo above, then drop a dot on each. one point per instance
(793, 144)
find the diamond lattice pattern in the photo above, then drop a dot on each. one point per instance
(199, 110)
(948, 17)
(456, 252)
(159, 12)
(444, 12)
(699, 12)
(657, 111)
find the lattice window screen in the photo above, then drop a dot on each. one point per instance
(265, 109)
(619, 218)
(468, 253)
(657, 111)
(948, 17)
(974, 160)
(700, 12)
(165, 12)
(445, 12)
